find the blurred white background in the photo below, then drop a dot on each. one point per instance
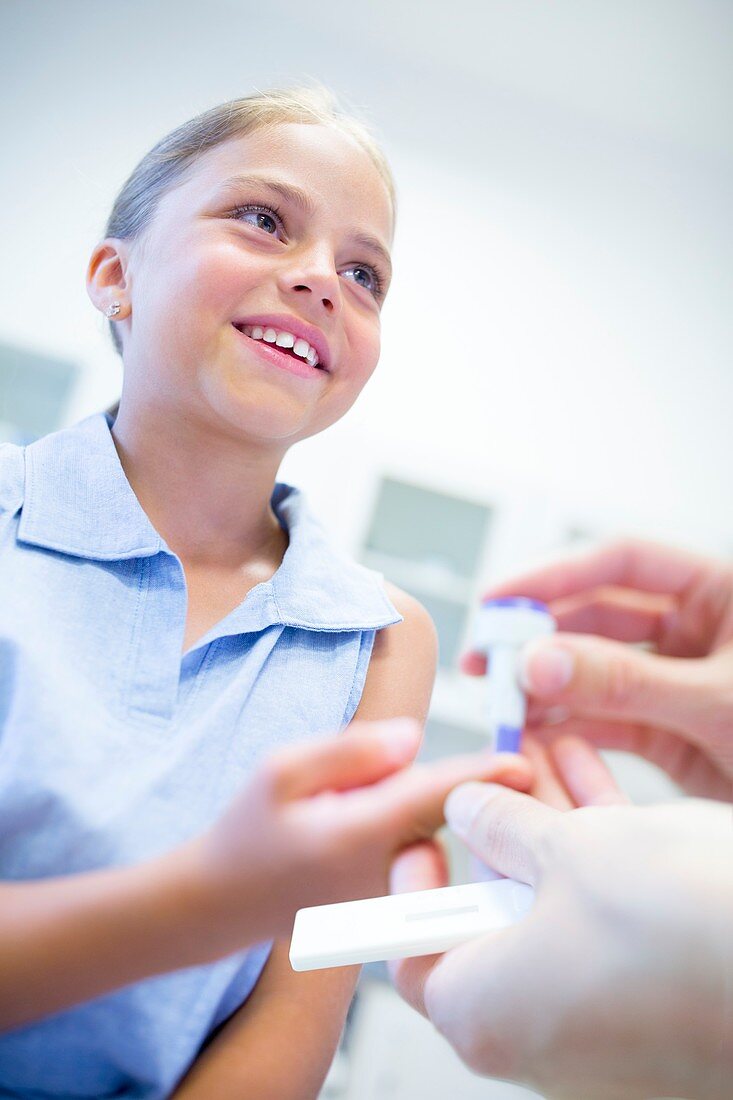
(557, 343)
(560, 317)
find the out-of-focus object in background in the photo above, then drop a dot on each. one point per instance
(34, 393)
(432, 544)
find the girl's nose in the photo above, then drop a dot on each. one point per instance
(314, 277)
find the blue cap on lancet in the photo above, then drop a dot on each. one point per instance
(503, 628)
(508, 739)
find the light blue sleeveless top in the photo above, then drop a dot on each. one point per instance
(114, 747)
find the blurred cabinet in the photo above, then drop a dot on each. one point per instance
(435, 545)
(432, 545)
(34, 392)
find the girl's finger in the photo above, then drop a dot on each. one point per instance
(366, 753)
(408, 807)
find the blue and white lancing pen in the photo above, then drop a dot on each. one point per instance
(503, 628)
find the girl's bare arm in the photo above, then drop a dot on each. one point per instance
(66, 940)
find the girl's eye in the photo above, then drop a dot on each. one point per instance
(366, 277)
(262, 218)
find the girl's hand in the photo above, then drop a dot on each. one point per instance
(323, 823)
(673, 706)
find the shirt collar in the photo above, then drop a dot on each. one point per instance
(78, 501)
(318, 587)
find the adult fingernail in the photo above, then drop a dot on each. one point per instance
(465, 802)
(555, 716)
(545, 668)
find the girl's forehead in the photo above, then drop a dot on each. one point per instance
(322, 161)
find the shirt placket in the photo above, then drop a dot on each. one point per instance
(152, 688)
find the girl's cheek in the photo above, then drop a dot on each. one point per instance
(374, 353)
(368, 340)
(223, 263)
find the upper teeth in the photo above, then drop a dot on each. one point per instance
(300, 347)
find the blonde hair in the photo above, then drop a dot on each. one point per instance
(168, 160)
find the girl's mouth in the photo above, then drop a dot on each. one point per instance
(283, 348)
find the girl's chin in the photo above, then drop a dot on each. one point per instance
(271, 419)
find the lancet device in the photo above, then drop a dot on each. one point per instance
(426, 922)
(503, 627)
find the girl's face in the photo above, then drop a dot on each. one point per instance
(287, 230)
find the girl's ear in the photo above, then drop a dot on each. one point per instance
(108, 284)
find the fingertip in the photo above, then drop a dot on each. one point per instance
(512, 769)
(545, 668)
(399, 737)
(473, 663)
(398, 724)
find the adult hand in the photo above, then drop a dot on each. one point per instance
(673, 706)
(615, 984)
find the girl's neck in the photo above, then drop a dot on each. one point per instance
(208, 496)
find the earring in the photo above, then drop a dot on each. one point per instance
(112, 310)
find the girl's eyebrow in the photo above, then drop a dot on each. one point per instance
(287, 191)
(290, 193)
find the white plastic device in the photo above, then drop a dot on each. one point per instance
(503, 627)
(398, 927)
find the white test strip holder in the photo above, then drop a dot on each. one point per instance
(401, 926)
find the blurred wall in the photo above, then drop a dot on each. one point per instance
(559, 323)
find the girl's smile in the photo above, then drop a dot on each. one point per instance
(289, 343)
(285, 230)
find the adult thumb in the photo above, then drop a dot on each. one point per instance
(503, 828)
(599, 678)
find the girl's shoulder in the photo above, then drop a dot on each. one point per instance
(403, 662)
(416, 620)
(12, 477)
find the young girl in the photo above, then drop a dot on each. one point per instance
(169, 616)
